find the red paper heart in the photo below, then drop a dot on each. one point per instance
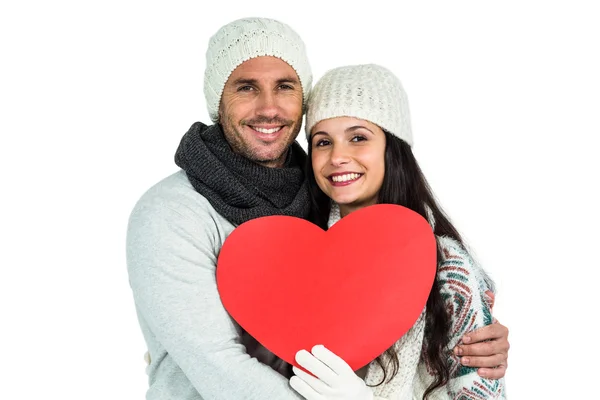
(356, 288)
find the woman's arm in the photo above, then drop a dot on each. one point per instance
(464, 288)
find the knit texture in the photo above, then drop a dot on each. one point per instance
(236, 187)
(368, 92)
(408, 349)
(463, 286)
(248, 38)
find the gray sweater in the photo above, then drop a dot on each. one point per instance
(173, 240)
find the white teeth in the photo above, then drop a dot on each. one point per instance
(345, 178)
(263, 130)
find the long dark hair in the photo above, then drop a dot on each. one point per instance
(404, 184)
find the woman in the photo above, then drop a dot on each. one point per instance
(359, 135)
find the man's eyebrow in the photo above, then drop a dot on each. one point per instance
(244, 81)
(288, 79)
(251, 81)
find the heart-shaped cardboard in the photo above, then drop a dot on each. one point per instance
(356, 288)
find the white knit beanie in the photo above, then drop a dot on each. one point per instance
(247, 38)
(368, 92)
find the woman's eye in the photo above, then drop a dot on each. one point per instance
(322, 143)
(358, 138)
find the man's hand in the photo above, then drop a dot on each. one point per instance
(486, 348)
(333, 377)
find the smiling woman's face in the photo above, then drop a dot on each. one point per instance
(348, 160)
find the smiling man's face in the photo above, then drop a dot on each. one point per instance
(261, 109)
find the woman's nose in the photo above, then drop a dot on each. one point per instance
(339, 156)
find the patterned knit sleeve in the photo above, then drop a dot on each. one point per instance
(463, 290)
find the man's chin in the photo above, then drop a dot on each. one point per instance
(270, 158)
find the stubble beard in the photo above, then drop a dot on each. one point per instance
(235, 137)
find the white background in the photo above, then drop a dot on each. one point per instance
(95, 96)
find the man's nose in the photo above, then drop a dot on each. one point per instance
(267, 104)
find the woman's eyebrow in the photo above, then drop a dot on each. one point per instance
(323, 133)
(357, 127)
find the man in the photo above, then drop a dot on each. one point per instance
(246, 165)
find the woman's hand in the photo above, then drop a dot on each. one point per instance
(333, 377)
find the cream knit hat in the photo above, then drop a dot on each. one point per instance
(247, 38)
(368, 92)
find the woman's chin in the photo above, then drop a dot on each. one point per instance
(345, 201)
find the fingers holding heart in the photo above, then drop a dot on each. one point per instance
(315, 366)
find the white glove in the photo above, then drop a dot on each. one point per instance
(333, 377)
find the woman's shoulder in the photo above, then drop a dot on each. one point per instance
(458, 263)
(453, 250)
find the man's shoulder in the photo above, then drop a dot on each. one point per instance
(174, 195)
(175, 185)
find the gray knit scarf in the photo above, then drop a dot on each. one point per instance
(239, 189)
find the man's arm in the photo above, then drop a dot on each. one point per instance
(486, 348)
(171, 261)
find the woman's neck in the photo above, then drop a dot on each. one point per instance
(346, 209)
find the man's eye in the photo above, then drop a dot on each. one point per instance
(246, 88)
(286, 87)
